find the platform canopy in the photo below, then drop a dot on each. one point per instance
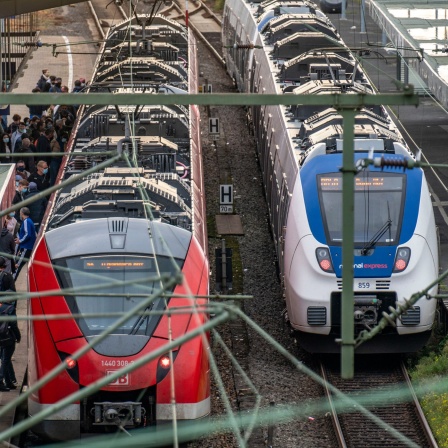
(10, 8)
(419, 31)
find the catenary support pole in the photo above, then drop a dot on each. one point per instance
(343, 10)
(363, 17)
(348, 219)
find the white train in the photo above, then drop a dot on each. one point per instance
(291, 46)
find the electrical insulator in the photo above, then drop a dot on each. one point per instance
(394, 163)
(244, 46)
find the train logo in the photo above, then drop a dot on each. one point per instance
(122, 380)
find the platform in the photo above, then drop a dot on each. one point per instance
(20, 355)
(69, 67)
(424, 127)
(413, 26)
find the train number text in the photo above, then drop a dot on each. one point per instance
(115, 363)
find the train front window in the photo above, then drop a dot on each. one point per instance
(379, 202)
(113, 284)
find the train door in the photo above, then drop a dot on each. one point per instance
(275, 195)
(255, 110)
(266, 146)
(242, 62)
(234, 51)
(284, 202)
(260, 137)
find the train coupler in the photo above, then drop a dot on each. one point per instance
(127, 413)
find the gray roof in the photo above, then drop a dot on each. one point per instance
(117, 235)
(416, 27)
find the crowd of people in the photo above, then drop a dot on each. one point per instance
(40, 135)
(16, 243)
(45, 130)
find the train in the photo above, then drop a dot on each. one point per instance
(115, 236)
(291, 47)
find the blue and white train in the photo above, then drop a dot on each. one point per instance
(292, 47)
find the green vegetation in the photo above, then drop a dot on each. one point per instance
(431, 367)
(211, 226)
(238, 284)
(232, 242)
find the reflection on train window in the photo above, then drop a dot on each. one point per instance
(124, 282)
(379, 203)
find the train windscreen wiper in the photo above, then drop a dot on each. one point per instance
(371, 244)
(140, 319)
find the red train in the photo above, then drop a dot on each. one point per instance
(108, 236)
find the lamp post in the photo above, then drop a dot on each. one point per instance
(343, 10)
(363, 17)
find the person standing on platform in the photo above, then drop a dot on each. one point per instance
(37, 208)
(56, 160)
(5, 146)
(45, 77)
(41, 177)
(21, 168)
(49, 84)
(25, 240)
(7, 247)
(8, 340)
(43, 143)
(16, 137)
(11, 224)
(14, 125)
(28, 161)
(56, 87)
(21, 192)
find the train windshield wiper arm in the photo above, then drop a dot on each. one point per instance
(142, 318)
(371, 244)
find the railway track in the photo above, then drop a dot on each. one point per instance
(354, 429)
(202, 21)
(105, 14)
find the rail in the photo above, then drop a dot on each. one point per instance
(407, 420)
(198, 33)
(97, 20)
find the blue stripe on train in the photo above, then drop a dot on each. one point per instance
(380, 263)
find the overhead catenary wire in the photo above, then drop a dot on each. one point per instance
(93, 387)
(82, 351)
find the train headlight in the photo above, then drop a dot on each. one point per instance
(165, 362)
(164, 365)
(70, 362)
(324, 260)
(402, 259)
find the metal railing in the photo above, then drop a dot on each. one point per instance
(15, 31)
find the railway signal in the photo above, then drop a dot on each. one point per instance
(226, 198)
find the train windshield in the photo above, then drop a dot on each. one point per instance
(379, 203)
(114, 284)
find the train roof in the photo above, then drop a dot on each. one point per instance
(306, 55)
(154, 180)
(291, 23)
(326, 64)
(122, 235)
